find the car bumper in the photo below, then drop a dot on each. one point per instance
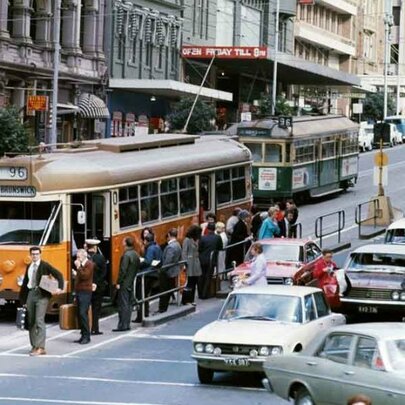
(361, 306)
(230, 362)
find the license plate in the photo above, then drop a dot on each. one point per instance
(367, 309)
(242, 362)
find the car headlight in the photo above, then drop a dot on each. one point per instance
(209, 348)
(288, 281)
(402, 296)
(20, 280)
(395, 295)
(217, 351)
(253, 353)
(264, 351)
(199, 347)
(276, 350)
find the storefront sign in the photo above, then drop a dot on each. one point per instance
(17, 191)
(300, 178)
(306, 2)
(37, 103)
(267, 179)
(224, 52)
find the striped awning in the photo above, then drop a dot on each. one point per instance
(91, 106)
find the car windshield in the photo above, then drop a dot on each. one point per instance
(282, 252)
(282, 308)
(396, 352)
(395, 236)
(377, 262)
(25, 222)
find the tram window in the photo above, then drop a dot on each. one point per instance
(149, 202)
(238, 183)
(256, 150)
(273, 153)
(188, 202)
(304, 153)
(129, 215)
(123, 194)
(328, 149)
(133, 192)
(169, 198)
(224, 193)
(350, 144)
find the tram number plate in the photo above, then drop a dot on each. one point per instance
(242, 362)
(367, 309)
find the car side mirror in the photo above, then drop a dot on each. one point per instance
(323, 355)
(81, 217)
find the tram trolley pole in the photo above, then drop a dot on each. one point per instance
(374, 212)
(340, 217)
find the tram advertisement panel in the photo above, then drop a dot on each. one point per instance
(349, 166)
(302, 177)
(267, 178)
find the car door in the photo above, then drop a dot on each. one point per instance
(321, 371)
(312, 256)
(365, 373)
(328, 318)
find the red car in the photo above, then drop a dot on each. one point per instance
(289, 261)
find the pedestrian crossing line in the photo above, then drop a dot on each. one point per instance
(129, 382)
(66, 401)
(118, 359)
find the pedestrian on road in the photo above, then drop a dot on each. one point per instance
(221, 231)
(190, 254)
(290, 205)
(153, 257)
(209, 247)
(170, 268)
(232, 221)
(99, 281)
(269, 228)
(240, 233)
(129, 266)
(258, 266)
(324, 272)
(83, 290)
(36, 300)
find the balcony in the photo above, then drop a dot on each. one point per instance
(288, 7)
(370, 23)
(324, 39)
(340, 6)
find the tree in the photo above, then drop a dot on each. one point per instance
(282, 106)
(373, 106)
(14, 137)
(201, 119)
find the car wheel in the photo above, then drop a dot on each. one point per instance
(303, 397)
(205, 375)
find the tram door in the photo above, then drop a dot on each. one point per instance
(97, 207)
(207, 195)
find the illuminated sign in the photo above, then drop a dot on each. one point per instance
(37, 103)
(224, 52)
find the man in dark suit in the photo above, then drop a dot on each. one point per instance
(36, 299)
(170, 268)
(129, 266)
(209, 247)
(99, 273)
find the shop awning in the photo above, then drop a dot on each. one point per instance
(91, 106)
(169, 88)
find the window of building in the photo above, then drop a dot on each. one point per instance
(225, 22)
(394, 54)
(174, 60)
(149, 202)
(396, 13)
(251, 26)
(161, 51)
(134, 50)
(148, 54)
(282, 45)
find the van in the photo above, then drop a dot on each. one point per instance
(366, 136)
(395, 233)
(399, 122)
(388, 133)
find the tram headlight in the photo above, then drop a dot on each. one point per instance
(288, 281)
(20, 280)
(395, 295)
(199, 347)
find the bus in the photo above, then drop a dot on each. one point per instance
(301, 157)
(111, 189)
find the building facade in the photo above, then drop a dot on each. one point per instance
(26, 64)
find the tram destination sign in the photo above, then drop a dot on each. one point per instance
(13, 173)
(17, 191)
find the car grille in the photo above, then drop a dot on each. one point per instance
(236, 349)
(371, 294)
(275, 280)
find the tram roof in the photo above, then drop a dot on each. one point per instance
(303, 126)
(116, 161)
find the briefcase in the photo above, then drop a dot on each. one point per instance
(21, 321)
(68, 317)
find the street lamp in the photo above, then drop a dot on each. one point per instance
(388, 22)
(274, 89)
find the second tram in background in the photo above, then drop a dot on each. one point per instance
(301, 157)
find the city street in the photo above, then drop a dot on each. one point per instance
(153, 366)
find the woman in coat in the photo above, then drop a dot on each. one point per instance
(269, 228)
(258, 266)
(191, 255)
(239, 234)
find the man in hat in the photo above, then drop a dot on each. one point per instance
(99, 273)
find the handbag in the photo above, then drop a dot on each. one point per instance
(20, 321)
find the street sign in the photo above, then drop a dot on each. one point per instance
(381, 159)
(357, 108)
(384, 176)
(37, 103)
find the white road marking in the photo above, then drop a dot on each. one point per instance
(66, 401)
(162, 337)
(131, 382)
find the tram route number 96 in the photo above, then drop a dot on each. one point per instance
(13, 173)
(285, 122)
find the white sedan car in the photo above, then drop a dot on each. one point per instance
(260, 321)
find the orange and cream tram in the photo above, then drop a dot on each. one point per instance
(110, 189)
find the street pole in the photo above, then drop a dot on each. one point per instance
(56, 58)
(277, 32)
(380, 171)
(388, 23)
